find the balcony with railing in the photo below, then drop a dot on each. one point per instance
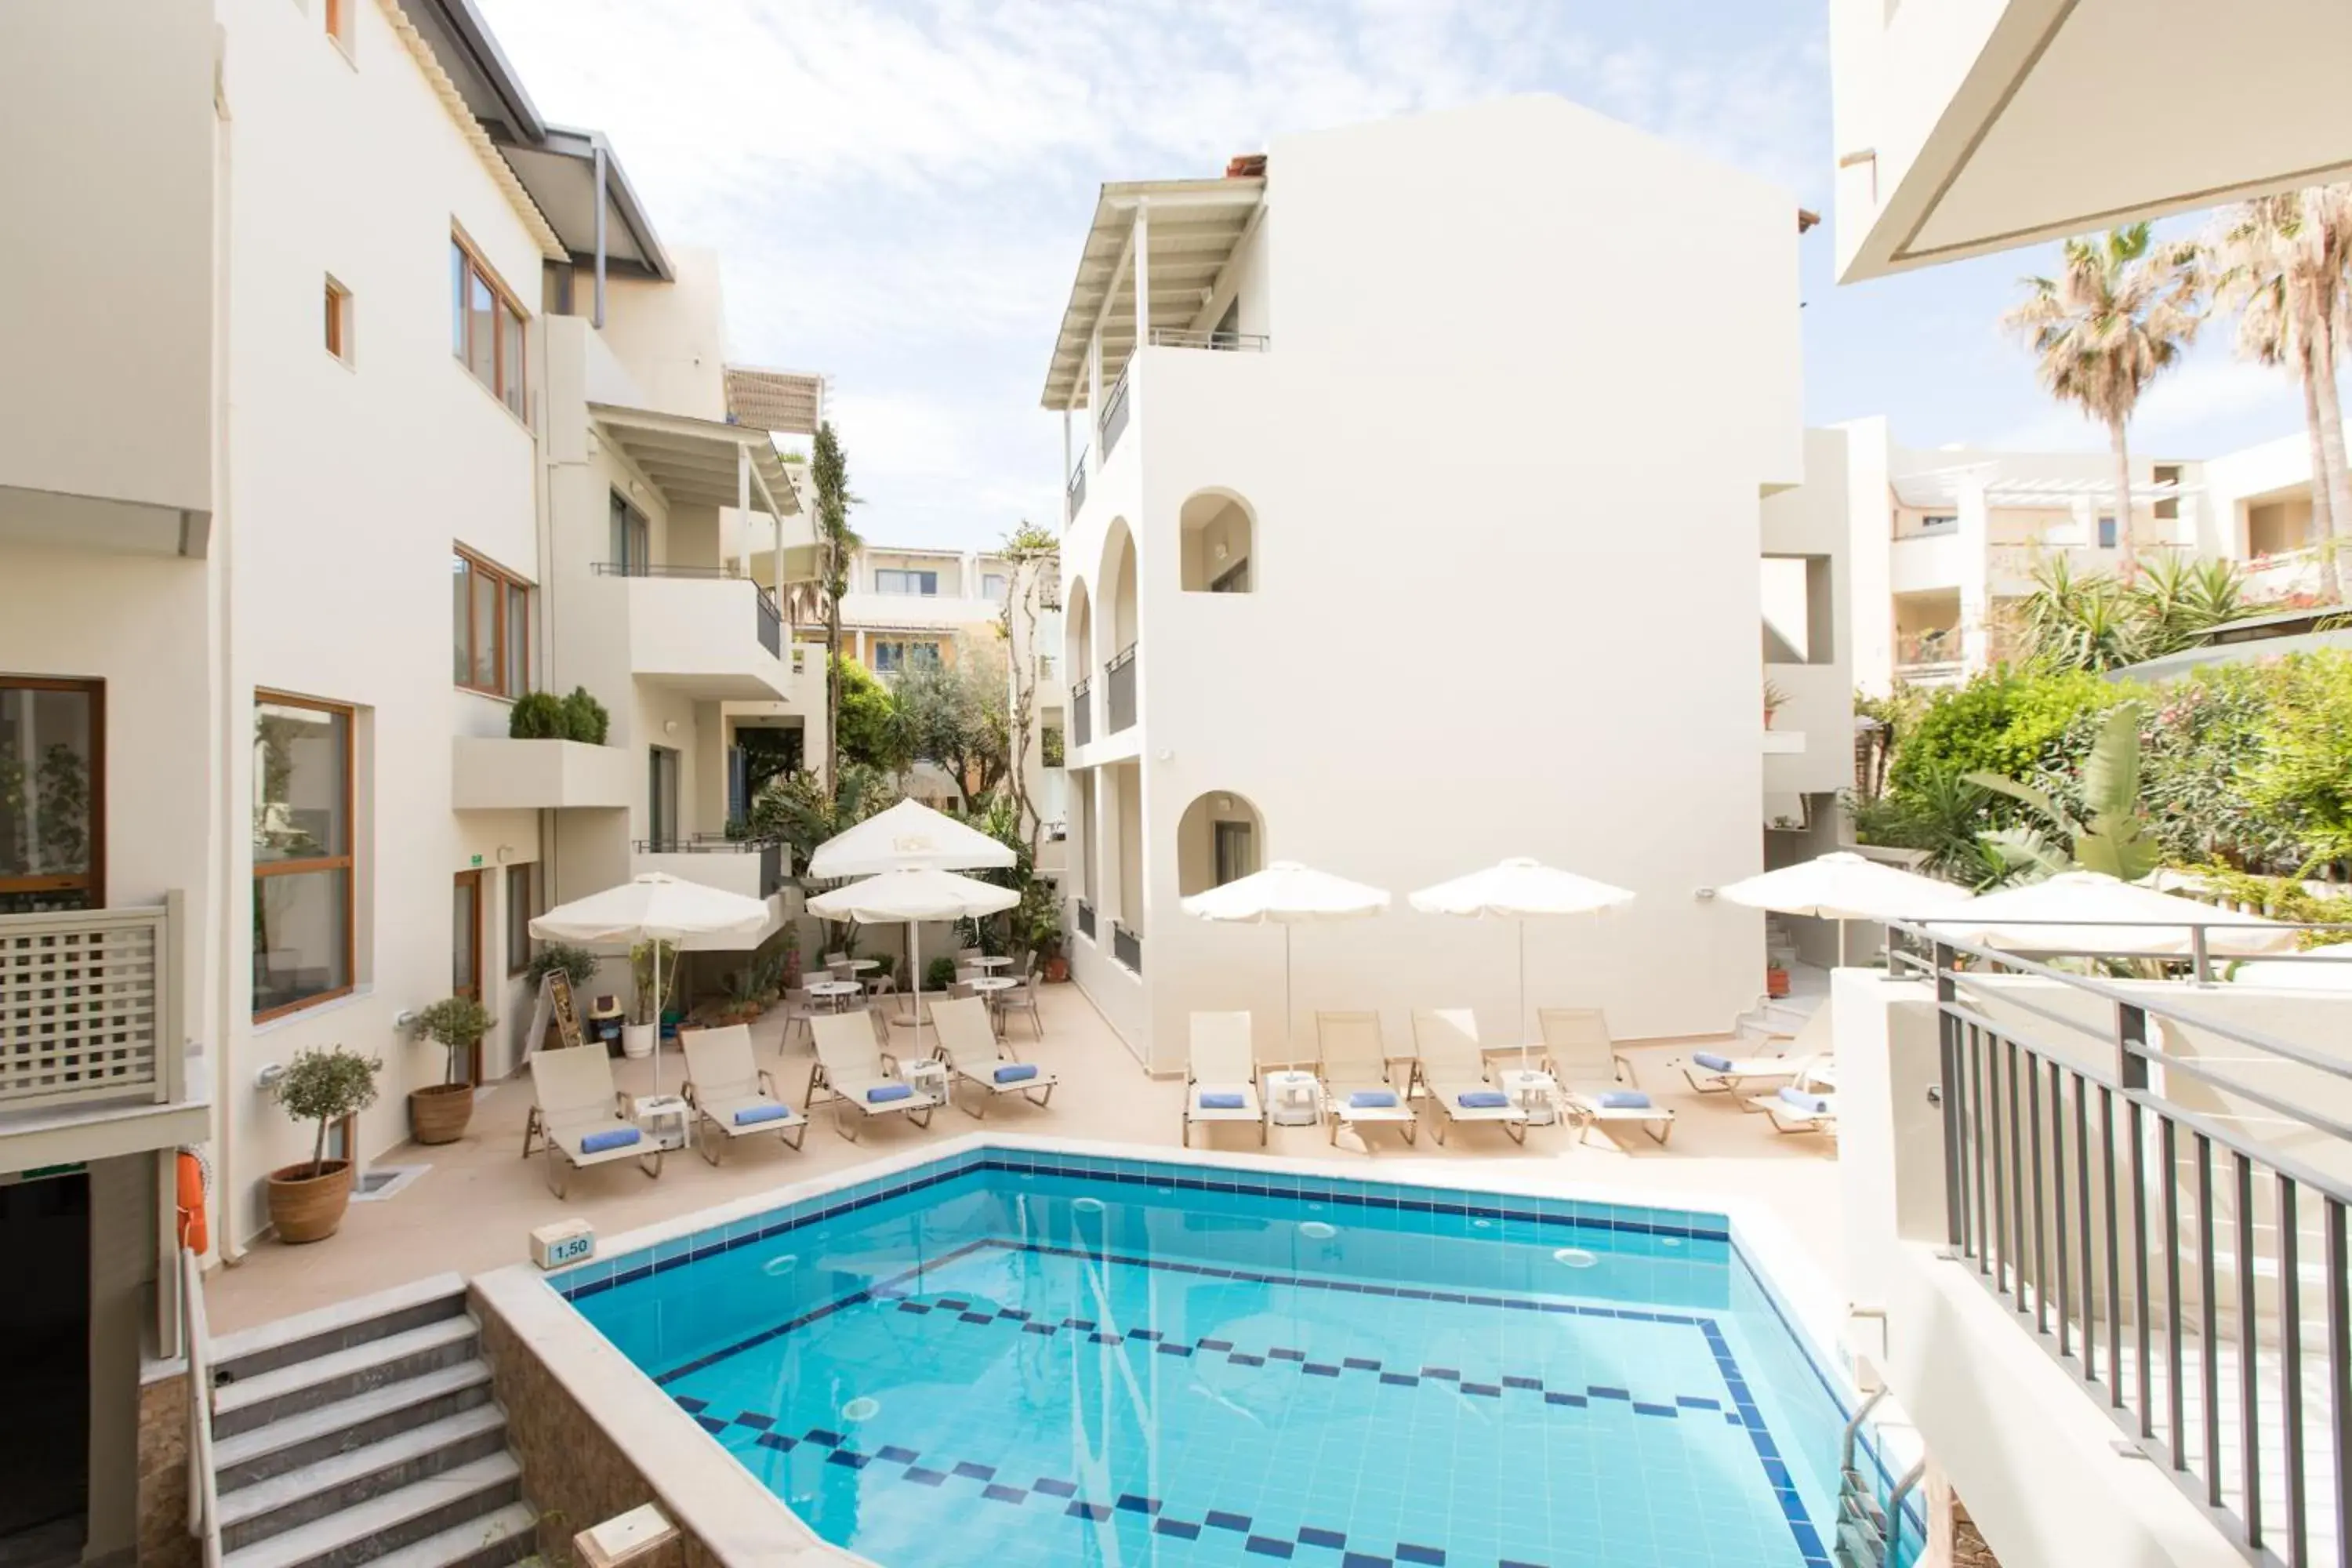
(685, 629)
(1082, 714)
(1119, 676)
(1127, 946)
(1221, 342)
(1929, 658)
(745, 866)
(93, 1034)
(1114, 411)
(1077, 491)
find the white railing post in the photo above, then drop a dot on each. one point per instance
(203, 1493)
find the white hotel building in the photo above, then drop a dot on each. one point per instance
(323, 347)
(1365, 481)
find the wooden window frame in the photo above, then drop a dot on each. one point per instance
(347, 862)
(518, 953)
(338, 321)
(91, 883)
(337, 17)
(502, 636)
(508, 384)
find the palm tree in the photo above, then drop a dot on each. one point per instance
(2283, 263)
(829, 476)
(2117, 315)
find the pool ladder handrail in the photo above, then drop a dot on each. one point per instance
(1879, 1530)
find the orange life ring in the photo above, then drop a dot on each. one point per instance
(194, 1234)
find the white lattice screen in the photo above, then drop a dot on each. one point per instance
(81, 1002)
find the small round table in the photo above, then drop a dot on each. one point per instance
(992, 962)
(987, 985)
(833, 990)
(1293, 1098)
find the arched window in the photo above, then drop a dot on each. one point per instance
(1220, 838)
(1219, 533)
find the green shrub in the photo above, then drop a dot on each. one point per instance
(576, 965)
(939, 973)
(585, 719)
(538, 717)
(324, 1087)
(455, 1023)
(2009, 723)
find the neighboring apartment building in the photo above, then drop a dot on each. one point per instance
(1254, 366)
(421, 416)
(1947, 541)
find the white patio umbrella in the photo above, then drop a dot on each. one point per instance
(912, 895)
(1287, 894)
(910, 834)
(1520, 889)
(654, 906)
(1843, 886)
(2332, 972)
(2106, 915)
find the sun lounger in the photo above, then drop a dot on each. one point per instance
(732, 1095)
(1799, 1108)
(1719, 1072)
(1596, 1081)
(968, 1044)
(1356, 1090)
(852, 1071)
(1453, 1074)
(1221, 1077)
(583, 1120)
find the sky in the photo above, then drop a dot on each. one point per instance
(898, 190)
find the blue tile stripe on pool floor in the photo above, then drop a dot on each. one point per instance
(1745, 1413)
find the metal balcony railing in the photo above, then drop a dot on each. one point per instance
(1127, 946)
(1085, 920)
(774, 864)
(90, 1007)
(1182, 338)
(1082, 714)
(1114, 413)
(1077, 489)
(643, 569)
(1120, 676)
(771, 623)
(2162, 1199)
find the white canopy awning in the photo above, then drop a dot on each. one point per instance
(909, 835)
(917, 893)
(2086, 911)
(1520, 889)
(1846, 887)
(1286, 893)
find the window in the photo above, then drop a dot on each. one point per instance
(491, 622)
(892, 656)
(522, 902)
(926, 584)
(992, 587)
(2106, 533)
(632, 540)
(661, 799)
(2169, 508)
(1234, 579)
(302, 860)
(1940, 523)
(52, 796)
(339, 321)
(486, 327)
(1236, 852)
(1050, 746)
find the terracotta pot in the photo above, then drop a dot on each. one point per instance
(304, 1207)
(1057, 969)
(1776, 983)
(438, 1113)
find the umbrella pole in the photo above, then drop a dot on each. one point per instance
(658, 1005)
(1524, 1042)
(1286, 1014)
(1845, 928)
(915, 963)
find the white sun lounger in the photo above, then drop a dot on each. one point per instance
(1725, 1074)
(968, 1044)
(732, 1095)
(576, 1105)
(1446, 1039)
(1594, 1074)
(1802, 1106)
(1221, 1077)
(1353, 1061)
(850, 1066)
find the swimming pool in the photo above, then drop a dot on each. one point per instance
(1042, 1358)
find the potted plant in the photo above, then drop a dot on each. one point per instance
(307, 1199)
(1776, 979)
(438, 1112)
(639, 1036)
(1774, 700)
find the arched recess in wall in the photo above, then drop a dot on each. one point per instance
(1218, 537)
(1115, 629)
(1078, 632)
(1220, 838)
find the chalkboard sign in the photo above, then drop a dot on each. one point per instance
(555, 1006)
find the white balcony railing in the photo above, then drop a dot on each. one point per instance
(90, 1007)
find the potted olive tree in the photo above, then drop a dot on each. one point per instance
(307, 1199)
(438, 1112)
(653, 966)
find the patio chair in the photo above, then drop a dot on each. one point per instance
(969, 1044)
(732, 1095)
(1356, 1089)
(799, 1011)
(1221, 1075)
(1596, 1081)
(1021, 999)
(1453, 1074)
(583, 1120)
(1713, 1072)
(854, 1070)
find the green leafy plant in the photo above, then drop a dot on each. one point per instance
(540, 716)
(585, 719)
(939, 973)
(324, 1087)
(576, 965)
(642, 959)
(457, 1023)
(799, 812)
(2110, 834)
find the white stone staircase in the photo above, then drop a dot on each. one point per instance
(1775, 1017)
(365, 1433)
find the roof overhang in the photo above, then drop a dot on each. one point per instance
(1195, 227)
(698, 462)
(789, 402)
(1963, 129)
(1944, 487)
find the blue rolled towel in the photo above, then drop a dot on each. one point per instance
(1806, 1100)
(884, 1093)
(1372, 1099)
(1483, 1099)
(1016, 1072)
(614, 1137)
(1224, 1101)
(752, 1115)
(1621, 1100)
(1712, 1062)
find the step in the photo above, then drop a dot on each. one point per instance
(293, 1441)
(490, 1541)
(447, 1504)
(266, 1347)
(252, 1513)
(242, 1404)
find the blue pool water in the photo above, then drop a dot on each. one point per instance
(1036, 1360)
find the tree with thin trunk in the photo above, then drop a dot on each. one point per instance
(1036, 588)
(2120, 313)
(2283, 263)
(829, 477)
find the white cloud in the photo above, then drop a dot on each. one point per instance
(2213, 404)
